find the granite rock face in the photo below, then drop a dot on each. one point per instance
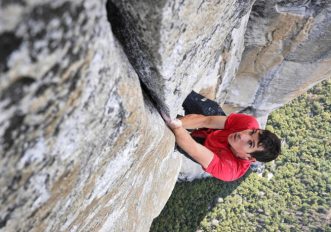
(287, 51)
(176, 46)
(82, 144)
(81, 148)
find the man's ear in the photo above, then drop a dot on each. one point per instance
(251, 158)
(243, 155)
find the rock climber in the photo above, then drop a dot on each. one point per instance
(225, 146)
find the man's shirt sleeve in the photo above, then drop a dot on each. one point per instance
(227, 169)
(240, 122)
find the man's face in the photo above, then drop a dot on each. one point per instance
(245, 142)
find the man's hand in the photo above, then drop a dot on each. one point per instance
(174, 124)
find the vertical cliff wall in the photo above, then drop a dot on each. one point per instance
(82, 144)
(81, 148)
(287, 51)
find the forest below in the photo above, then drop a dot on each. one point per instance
(292, 193)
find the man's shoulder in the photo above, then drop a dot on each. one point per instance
(241, 116)
(228, 167)
(241, 121)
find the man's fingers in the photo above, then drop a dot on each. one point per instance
(174, 124)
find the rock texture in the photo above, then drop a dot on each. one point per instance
(82, 144)
(287, 51)
(81, 148)
(176, 46)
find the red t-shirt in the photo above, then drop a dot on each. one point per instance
(225, 165)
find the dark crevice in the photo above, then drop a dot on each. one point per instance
(9, 211)
(15, 92)
(6, 3)
(15, 125)
(148, 95)
(3, 221)
(138, 54)
(9, 42)
(43, 87)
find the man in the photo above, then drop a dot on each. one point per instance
(231, 143)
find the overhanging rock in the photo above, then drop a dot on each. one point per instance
(174, 45)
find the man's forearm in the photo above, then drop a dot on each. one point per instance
(184, 139)
(198, 152)
(193, 121)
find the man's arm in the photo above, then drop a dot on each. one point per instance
(198, 152)
(193, 121)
